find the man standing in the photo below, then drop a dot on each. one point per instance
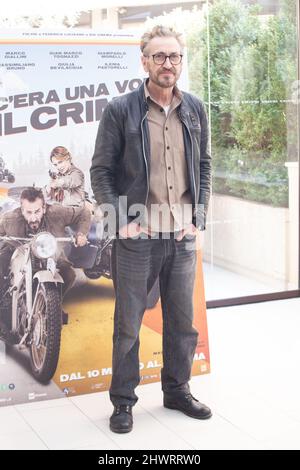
(152, 148)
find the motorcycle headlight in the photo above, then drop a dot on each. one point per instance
(44, 245)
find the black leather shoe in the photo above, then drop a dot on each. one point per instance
(121, 420)
(188, 405)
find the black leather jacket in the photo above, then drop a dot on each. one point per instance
(121, 161)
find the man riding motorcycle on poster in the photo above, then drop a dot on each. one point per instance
(34, 216)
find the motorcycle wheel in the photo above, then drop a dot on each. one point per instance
(46, 332)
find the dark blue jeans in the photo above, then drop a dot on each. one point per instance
(136, 265)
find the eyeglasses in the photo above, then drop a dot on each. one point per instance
(160, 58)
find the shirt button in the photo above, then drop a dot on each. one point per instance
(166, 128)
(161, 110)
(169, 168)
(171, 187)
(168, 147)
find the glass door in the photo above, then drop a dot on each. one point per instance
(249, 81)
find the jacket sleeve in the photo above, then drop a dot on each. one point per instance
(205, 172)
(108, 150)
(80, 217)
(2, 228)
(74, 180)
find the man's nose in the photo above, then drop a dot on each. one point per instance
(168, 63)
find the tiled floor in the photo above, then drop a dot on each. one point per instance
(253, 390)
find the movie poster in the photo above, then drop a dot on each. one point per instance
(54, 86)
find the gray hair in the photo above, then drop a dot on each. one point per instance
(160, 31)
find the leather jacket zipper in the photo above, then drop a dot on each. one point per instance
(193, 175)
(145, 158)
